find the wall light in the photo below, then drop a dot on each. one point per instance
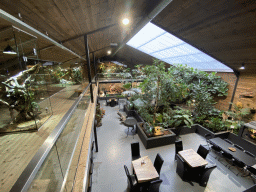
(9, 50)
(109, 52)
(242, 68)
(125, 21)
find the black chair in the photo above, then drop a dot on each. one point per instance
(131, 180)
(249, 153)
(217, 150)
(113, 103)
(239, 147)
(204, 176)
(154, 185)
(135, 149)
(178, 147)
(251, 189)
(239, 164)
(182, 168)
(158, 163)
(208, 136)
(228, 157)
(202, 151)
(228, 141)
(252, 171)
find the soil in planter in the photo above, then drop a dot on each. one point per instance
(165, 132)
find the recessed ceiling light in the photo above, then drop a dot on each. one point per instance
(126, 21)
(109, 52)
(9, 50)
(242, 68)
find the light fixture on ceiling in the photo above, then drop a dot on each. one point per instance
(9, 50)
(242, 67)
(125, 21)
(109, 52)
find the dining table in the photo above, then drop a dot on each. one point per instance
(192, 158)
(237, 153)
(144, 170)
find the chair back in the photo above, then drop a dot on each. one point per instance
(252, 170)
(227, 155)
(181, 168)
(249, 153)
(128, 174)
(158, 163)
(154, 185)
(207, 136)
(228, 141)
(135, 149)
(239, 147)
(178, 147)
(205, 175)
(238, 163)
(202, 151)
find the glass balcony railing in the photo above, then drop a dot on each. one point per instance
(54, 170)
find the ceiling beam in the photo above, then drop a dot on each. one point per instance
(143, 22)
(26, 27)
(88, 33)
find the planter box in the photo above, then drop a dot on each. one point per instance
(202, 131)
(153, 142)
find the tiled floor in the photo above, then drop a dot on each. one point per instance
(115, 152)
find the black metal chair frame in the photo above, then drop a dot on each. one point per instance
(178, 147)
(158, 163)
(202, 151)
(135, 150)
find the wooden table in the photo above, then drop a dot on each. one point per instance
(145, 172)
(192, 158)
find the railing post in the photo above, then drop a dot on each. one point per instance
(95, 70)
(88, 64)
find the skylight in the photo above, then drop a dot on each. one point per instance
(162, 45)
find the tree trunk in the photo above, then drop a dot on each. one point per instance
(157, 95)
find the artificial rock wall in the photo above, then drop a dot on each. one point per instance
(245, 92)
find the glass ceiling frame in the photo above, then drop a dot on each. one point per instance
(162, 45)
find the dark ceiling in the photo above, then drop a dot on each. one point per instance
(224, 29)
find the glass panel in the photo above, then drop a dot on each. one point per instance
(56, 165)
(144, 36)
(162, 45)
(50, 176)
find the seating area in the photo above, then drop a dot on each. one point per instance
(116, 150)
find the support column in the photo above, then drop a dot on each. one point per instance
(88, 64)
(234, 90)
(95, 70)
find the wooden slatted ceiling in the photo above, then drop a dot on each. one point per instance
(64, 19)
(224, 29)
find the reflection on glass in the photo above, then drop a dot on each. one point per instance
(49, 177)
(56, 165)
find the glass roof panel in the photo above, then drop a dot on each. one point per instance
(160, 44)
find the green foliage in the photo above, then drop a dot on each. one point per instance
(127, 86)
(77, 75)
(182, 117)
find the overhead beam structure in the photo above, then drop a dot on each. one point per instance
(20, 24)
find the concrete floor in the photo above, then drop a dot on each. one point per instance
(115, 152)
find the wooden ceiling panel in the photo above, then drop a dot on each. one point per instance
(223, 29)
